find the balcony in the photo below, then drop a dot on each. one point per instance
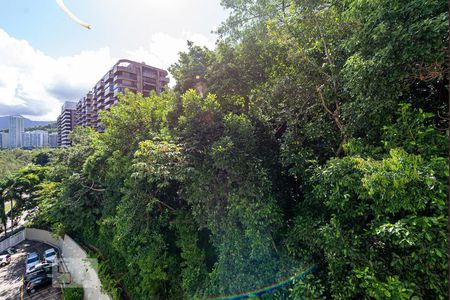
(149, 80)
(109, 100)
(118, 90)
(99, 92)
(108, 77)
(152, 75)
(126, 76)
(149, 87)
(101, 103)
(99, 85)
(124, 66)
(109, 91)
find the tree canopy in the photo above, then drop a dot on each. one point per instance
(316, 132)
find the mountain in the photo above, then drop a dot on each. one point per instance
(4, 123)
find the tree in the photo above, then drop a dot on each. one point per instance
(190, 70)
(313, 133)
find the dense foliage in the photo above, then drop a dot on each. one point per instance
(12, 160)
(51, 127)
(73, 293)
(315, 133)
(22, 173)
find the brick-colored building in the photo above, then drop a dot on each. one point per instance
(85, 111)
(125, 74)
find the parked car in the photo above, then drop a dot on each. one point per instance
(32, 260)
(11, 250)
(5, 260)
(37, 283)
(38, 273)
(50, 255)
(47, 266)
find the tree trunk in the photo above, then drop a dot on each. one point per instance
(12, 215)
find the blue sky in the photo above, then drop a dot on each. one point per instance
(44, 55)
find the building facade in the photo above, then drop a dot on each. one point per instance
(4, 140)
(16, 128)
(53, 140)
(35, 139)
(85, 111)
(26, 139)
(124, 75)
(66, 122)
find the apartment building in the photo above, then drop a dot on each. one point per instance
(124, 75)
(66, 122)
(16, 128)
(53, 140)
(4, 140)
(85, 111)
(26, 140)
(35, 139)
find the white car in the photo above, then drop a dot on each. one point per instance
(50, 255)
(5, 260)
(41, 266)
(32, 260)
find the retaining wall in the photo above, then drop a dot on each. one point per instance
(81, 269)
(12, 240)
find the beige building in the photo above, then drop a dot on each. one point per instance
(124, 75)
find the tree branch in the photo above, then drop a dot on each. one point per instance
(92, 188)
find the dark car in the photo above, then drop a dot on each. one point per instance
(39, 273)
(37, 283)
(11, 250)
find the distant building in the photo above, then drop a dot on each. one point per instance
(15, 131)
(125, 74)
(35, 139)
(26, 139)
(53, 140)
(66, 123)
(4, 140)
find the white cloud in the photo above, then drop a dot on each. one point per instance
(35, 85)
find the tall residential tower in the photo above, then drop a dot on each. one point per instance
(16, 129)
(124, 75)
(66, 122)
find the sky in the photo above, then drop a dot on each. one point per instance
(46, 58)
